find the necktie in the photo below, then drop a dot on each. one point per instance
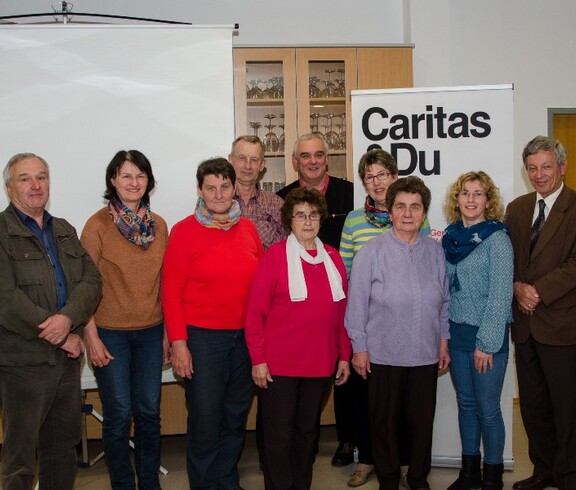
(537, 226)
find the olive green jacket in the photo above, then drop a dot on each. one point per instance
(28, 293)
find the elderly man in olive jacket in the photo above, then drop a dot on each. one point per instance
(49, 287)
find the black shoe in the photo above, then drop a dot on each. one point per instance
(533, 483)
(344, 455)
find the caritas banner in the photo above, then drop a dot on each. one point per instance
(437, 134)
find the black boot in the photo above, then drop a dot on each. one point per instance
(493, 476)
(470, 477)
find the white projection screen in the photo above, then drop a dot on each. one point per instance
(77, 94)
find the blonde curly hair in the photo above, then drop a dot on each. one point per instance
(494, 206)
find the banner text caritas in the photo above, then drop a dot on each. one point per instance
(378, 125)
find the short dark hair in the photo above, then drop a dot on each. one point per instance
(545, 143)
(302, 195)
(218, 166)
(412, 185)
(140, 161)
(378, 157)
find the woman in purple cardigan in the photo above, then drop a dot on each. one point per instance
(397, 320)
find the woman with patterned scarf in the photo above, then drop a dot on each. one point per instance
(479, 265)
(377, 170)
(125, 339)
(208, 268)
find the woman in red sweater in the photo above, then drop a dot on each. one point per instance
(208, 268)
(296, 337)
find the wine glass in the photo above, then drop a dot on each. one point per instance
(277, 88)
(314, 125)
(331, 136)
(341, 87)
(342, 133)
(330, 89)
(271, 142)
(255, 92)
(282, 137)
(255, 125)
(313, 90)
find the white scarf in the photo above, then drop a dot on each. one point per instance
(296, 281)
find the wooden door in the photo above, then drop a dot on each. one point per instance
(564, 129)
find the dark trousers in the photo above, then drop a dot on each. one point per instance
(361, 435)
(41, 414)
(290, 413)
(547, 390)
(394, 391)
(344, 409)
(218, 398)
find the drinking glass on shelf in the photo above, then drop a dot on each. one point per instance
(314, 125)
(268, 92)
(342, 133)
(271, 142)
(341, 84)
(255, 91)
(282, 137)
(330, 135)
(255, 125)
(313, 90)
(277, 88)
(330, 89)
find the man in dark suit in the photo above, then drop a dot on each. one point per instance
(543, 233)
(310, 160)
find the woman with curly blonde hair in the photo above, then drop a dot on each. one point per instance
(479, 265)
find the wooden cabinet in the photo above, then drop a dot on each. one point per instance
(173, 411)
(280, 93)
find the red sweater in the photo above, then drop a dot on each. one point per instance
(301, 338)
(206, 276)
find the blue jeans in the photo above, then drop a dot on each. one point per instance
(218, 398)
(130, 387)
(478, 397)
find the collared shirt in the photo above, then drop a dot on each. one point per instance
(324, 184)
(263, 209)
(548, 201)
(44, 234)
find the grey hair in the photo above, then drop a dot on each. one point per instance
(545, 143)
(308, 137)
(17, 158)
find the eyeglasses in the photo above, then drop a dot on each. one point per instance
(475, 194)
(382, 176)
(301, 217)
(242, 159)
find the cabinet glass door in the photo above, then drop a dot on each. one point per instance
(325, 78)
(265, 100)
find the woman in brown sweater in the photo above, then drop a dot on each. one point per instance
(125, 339)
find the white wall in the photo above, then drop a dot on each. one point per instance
(529, 43)
(262, 22)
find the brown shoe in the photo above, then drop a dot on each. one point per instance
(534, 483)
(361, 475)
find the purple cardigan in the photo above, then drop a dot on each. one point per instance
(398, 300)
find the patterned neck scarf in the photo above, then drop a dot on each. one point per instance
(223, 221)
(377, 217)
(138, 228)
